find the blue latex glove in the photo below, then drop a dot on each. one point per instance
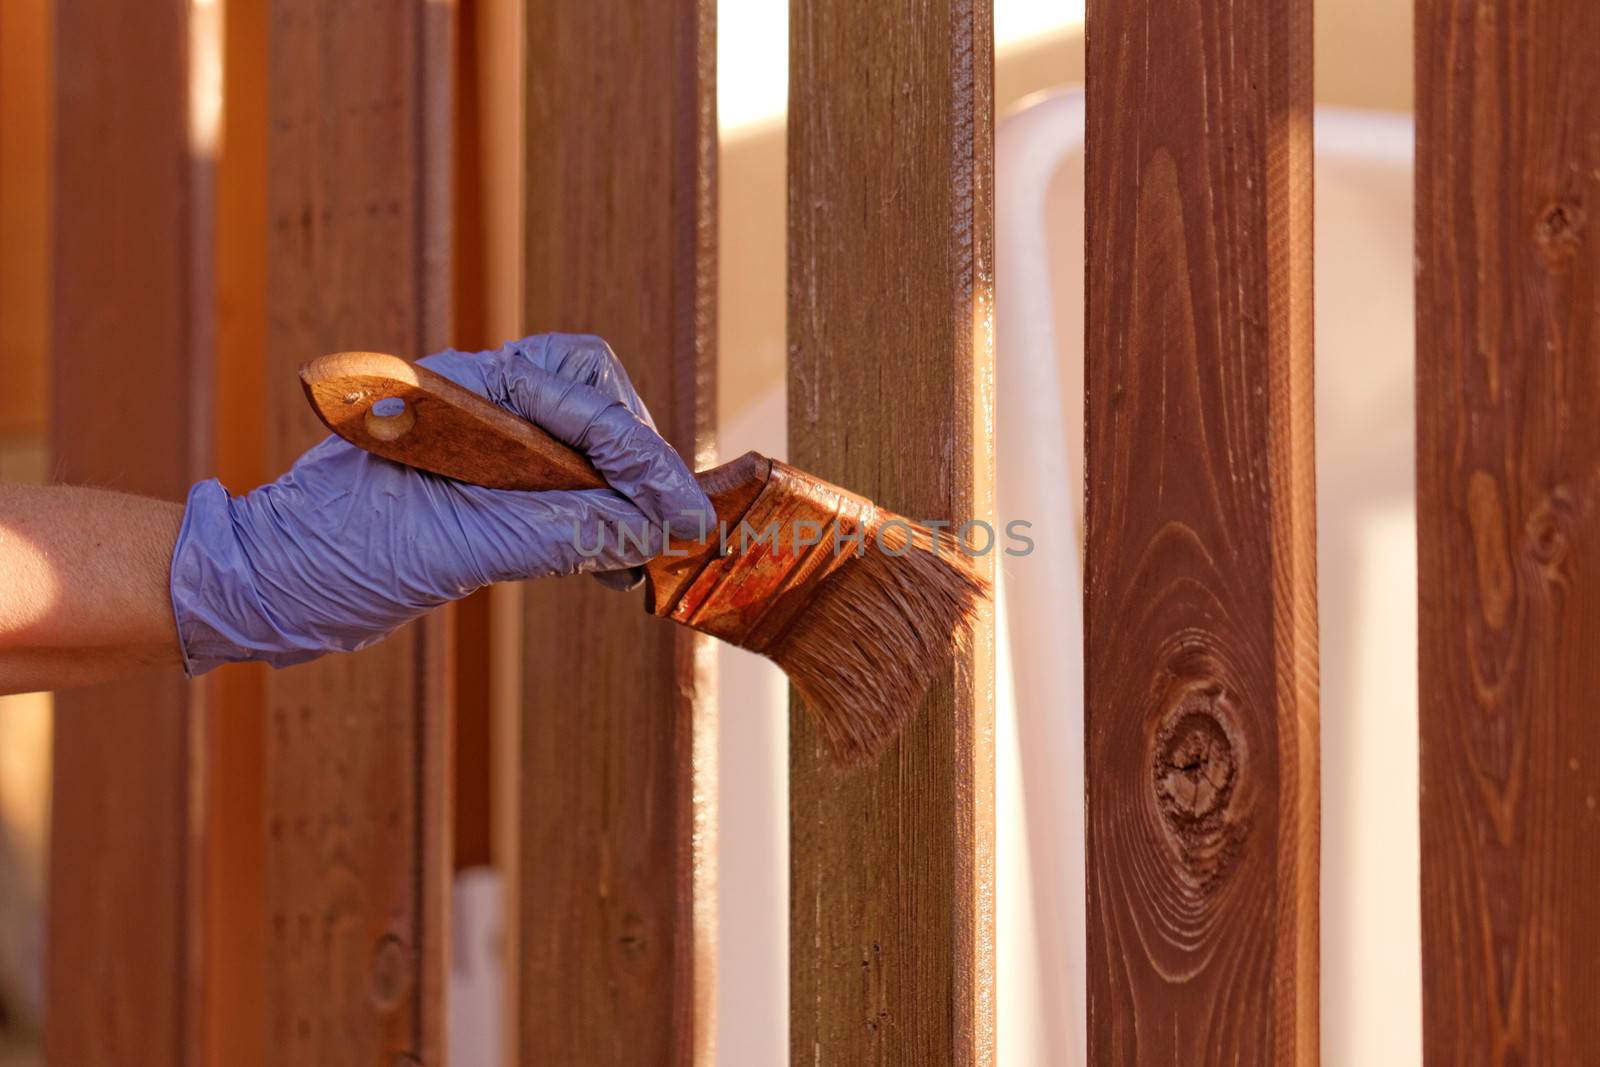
(346, 547)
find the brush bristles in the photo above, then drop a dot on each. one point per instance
(864, 651)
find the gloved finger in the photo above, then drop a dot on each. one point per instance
(632, 457)
(575, 357)
(588, 359)
(621, 581)
(574, 387)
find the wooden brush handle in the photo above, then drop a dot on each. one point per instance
(437, 425)
(440, 427)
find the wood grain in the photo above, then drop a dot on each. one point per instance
(1200, 600)
(1508, 514)
(125, 318)
(890, 395)
(357, 860)
(618, 819)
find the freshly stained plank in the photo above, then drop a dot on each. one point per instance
(890, 283)
(1508, 514)
(618, 763)
(1200, 600)
(126, 316)
(356, 746)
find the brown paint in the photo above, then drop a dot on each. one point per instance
(1508, 516)
(1200, 595)
(471, 808)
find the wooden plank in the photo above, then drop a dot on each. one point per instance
(617, 836)
(890, 341)
(1508, 514)
(494, 271)
(1200, 599)
(474, 647)
(357, 787)
(25, 162)
(234, 1008)
(127, 217)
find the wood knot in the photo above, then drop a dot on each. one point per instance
(390, 977)
(1195, 768)
(633, 938)
(1558, 232)
(1545, 534)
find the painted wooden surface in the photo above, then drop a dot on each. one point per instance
(25, 165)
(1508, 501)
(618, 820)
(124, 325)
(890, 395)
(1200, 602)
(488, 267)
(471, 804)
(234, 992)
(356, 788)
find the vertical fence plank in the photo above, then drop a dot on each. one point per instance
(1508, 509)
(24, 216)
(1200, 600)
(890, 285)
(234, 1005)
(618, 750)
(356, 746)
(127, 310)
(489, 256)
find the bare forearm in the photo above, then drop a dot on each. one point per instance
(83, 585)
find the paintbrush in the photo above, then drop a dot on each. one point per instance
(859, 606)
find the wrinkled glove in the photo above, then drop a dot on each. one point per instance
(346, 547)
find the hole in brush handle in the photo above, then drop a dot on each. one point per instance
(389, 419)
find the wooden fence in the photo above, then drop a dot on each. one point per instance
(254, 868)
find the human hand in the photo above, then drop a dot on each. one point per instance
(346, 547)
